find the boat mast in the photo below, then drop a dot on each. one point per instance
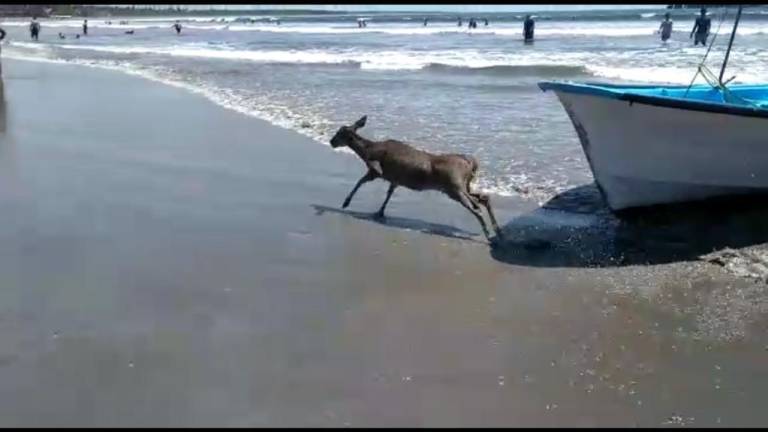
(730, 43)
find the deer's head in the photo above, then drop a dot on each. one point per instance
(346, 134)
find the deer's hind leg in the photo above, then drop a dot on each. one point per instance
(467, 201)
(485, 200)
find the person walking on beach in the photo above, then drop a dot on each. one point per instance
(34, 28)
(528, 26)
(177, 27)
(701, 28)
(665, 28)
(85, 28)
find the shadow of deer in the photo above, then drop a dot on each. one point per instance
(402, 165)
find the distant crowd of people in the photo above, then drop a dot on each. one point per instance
(700, 32)
(35, 27)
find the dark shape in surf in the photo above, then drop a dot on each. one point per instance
(85, 28)
(665, 28)
(2, 36)
(701, 28)
(403, 165)
(34, 29)
(528, 27)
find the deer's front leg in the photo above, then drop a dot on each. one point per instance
(370, 175)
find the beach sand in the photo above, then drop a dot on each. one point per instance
(168, 262)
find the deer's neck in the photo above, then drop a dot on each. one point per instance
(361, 146)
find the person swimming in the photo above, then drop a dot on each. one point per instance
(665, 28)
(701, 28)
(61, 35)
(528, 26)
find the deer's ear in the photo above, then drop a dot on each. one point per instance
(360, 123)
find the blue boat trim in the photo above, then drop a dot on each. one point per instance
(630, 93)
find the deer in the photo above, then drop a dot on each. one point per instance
(403, 165)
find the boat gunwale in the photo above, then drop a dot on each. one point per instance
(621, 92)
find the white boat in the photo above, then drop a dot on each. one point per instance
(651, 144)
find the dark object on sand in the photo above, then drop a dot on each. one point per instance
(403, 165)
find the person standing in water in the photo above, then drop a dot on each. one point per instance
(528, 26)
(177, 27)
(34, 29)
(426, 20)
(85, 28)
(486, 21)
(665, 28)
(459, 23)
(2, 36)
(701, 28)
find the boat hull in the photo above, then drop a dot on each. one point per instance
(644, 154)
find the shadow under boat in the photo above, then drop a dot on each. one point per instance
(576, 229)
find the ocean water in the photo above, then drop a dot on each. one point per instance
(442, 87)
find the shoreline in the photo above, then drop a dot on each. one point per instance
(166, 262)
(525, 198)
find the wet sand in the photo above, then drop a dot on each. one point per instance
(167, 262)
